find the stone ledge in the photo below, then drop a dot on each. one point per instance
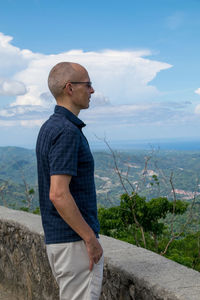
(161, 277)
(31, 221)
(130, 272)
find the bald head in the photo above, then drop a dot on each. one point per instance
(63, 72)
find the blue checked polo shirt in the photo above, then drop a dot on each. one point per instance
(63, 149)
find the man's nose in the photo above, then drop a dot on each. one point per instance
(92, 90)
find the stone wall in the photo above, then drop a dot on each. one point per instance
(24, 268)
(130, 272)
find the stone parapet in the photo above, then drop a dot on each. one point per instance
(130, 272)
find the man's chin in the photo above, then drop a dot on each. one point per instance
(85, 107)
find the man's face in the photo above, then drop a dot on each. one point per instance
(82, 92)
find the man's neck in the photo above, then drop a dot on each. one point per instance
(71, 108)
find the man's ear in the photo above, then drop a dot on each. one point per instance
(68, 88)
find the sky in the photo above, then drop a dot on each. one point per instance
(142, 57)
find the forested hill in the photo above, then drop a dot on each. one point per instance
(16, 162)
(147, 172)
(18, 167)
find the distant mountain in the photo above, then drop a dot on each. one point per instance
(138, 169)
(16, 162)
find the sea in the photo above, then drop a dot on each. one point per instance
(161, 144)
(128, 145)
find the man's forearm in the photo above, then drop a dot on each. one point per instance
(66, 206)
(68, 210)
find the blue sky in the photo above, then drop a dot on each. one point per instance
(142, 57)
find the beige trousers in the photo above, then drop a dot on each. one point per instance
(70, 266)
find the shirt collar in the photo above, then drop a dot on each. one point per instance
(69, 115)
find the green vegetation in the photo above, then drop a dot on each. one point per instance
(141, 211)
(142, 223)
(16, 163)
(18, 179)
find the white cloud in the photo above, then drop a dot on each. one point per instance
(8, 123)
(13, 59)
(99, 99)
(119, 77)
(23, 123)
(32, 123)
(197, 109)
(116, 111)
(11, 87)
(139, 114)
(105, 114)
(18, 110)
(197, 91)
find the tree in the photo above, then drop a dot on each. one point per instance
(135, 213)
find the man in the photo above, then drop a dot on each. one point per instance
(66, 188)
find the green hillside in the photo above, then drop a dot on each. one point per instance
(146, 172)
(16, 162)
(137, 169)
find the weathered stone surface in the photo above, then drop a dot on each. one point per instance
(153, 276)
(24, 268)
(6, 294)
(130, 272)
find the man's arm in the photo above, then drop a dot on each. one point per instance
(66, 206)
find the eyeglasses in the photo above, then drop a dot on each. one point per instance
(88, 83)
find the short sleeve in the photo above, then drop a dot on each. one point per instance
(63, 154)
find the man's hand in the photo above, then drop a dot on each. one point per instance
(94, 250)
(66, 206)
